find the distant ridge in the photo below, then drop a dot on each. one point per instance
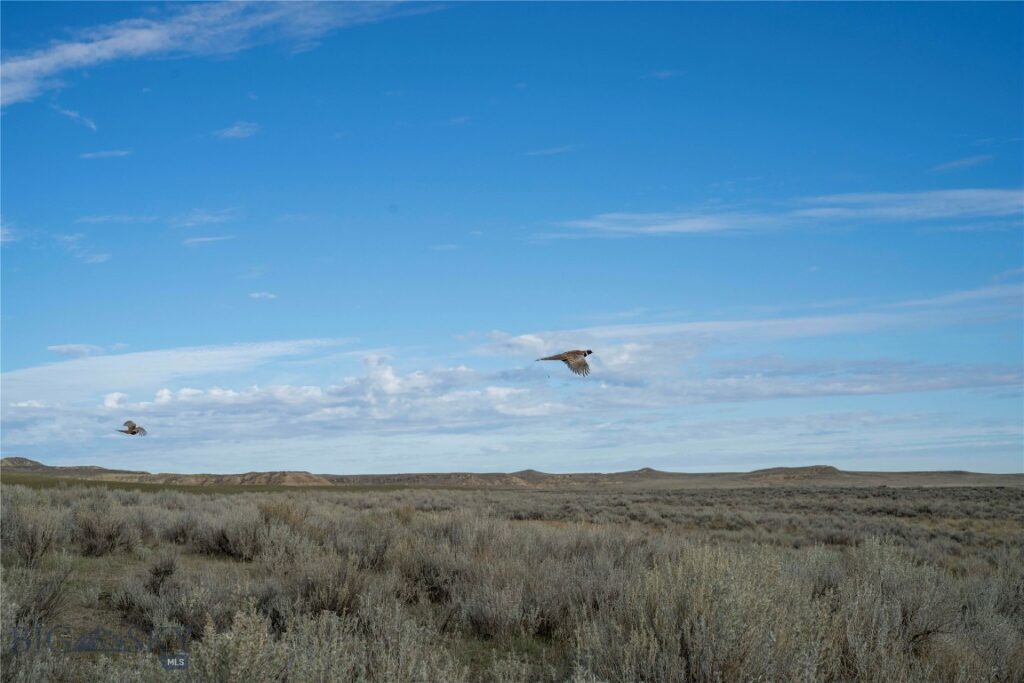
(810, 472)
(647, 472)
(813, 470)
(247, 479)
(20, 462)
(644, 478)
(27, 465)
(529, 474)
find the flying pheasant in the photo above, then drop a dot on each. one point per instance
(576, 360)
(132, 429)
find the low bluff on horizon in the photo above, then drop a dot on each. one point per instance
(15, 468)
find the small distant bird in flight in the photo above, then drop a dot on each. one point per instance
(576, 360)
(132, 429)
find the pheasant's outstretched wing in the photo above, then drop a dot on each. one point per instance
(576, 360)
(578, 364)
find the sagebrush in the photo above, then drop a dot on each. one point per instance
(772, 584)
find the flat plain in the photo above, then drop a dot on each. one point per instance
(780, 575)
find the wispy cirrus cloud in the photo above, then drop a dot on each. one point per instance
(76, 246)
(661, 75)
(1010, 294)
(624, 223)
(198, 241)
(1010, 274)
(189, 219)
(128, 372)
(262, 295)
(238, 130)
(965, 162)
(106, 154)
(75, 116)
(549, 151)
(916, 206)
(637, 341)
(197, 217)
(117, 218)
(76, 350)
(179, 31)
(943, 208)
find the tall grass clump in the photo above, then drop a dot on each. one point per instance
(102, 526)
(29, 529)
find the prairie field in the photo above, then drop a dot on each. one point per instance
(771, 583)
(297, 295)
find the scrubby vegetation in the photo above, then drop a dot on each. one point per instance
(769, 584)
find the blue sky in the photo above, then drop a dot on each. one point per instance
(334, 237)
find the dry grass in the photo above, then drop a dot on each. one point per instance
(765, 584)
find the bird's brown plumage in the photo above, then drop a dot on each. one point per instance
(575, 359)
(132, 429)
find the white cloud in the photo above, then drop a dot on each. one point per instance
(75, 116)
(459, 120)
(1012, 294)
(29, 404)
(661, 74)
(130, 372)
(838, 209)
(549, 151)
(196, 241)
(788, 379)
(652, 345)
(657, 389)
(116, 218)
(262, 295)
(1009, 274)
(75, 349)
(189, 219)
(239, 129)
(966, 162)
(666, 223)
(199, 29)
(916, 206)
(980, 226)
(73, 244)
(106, 154)
(114, 399)
(447, 412)
(203, 217)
